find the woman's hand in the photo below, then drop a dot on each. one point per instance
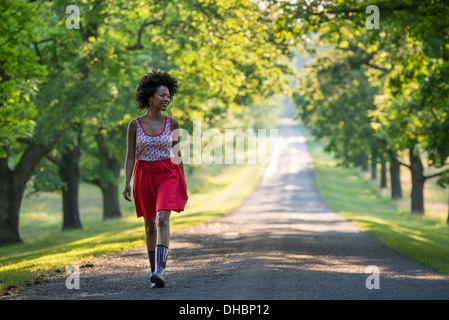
(127, 192)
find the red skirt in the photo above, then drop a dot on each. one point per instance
(158, 185)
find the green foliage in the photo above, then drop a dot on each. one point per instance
(45, 179)
(335, 98)
(405, 59)
(20, 70)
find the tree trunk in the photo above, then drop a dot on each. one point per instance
(447, 220)
(418, 179)
(13, 186)
(395, 180)
(383, 175)
(70, 174)
(373, 168)
(9, 206)
(111, 204)
(364, 161)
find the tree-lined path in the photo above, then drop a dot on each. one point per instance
(282, 243)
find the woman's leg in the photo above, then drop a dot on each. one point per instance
(150, 233)
(150, 240)
(163, 227)
(162, 243)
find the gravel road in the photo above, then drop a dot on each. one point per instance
(282, 243)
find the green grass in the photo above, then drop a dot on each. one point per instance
(213, 191)
(350, 192)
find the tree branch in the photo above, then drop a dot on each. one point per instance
(95, 182)
(404, 164)
(55, 160)
(366, 63)
(435, 175)
(34, 152)
(138, 44)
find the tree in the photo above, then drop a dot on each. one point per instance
(410, 49)
(334, 98)
(21, 76)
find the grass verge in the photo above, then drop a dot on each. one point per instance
(346, 190)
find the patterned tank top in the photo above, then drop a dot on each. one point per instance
(154, 147)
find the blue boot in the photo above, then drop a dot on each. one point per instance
(158, 276)
(151, 256)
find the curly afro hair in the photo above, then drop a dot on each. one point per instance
(150, 83)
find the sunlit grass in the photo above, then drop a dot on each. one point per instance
(360, 200)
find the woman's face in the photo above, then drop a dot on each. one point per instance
(160, 99)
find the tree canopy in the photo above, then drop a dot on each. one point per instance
(404, 62)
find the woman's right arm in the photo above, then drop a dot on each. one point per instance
(130, 158)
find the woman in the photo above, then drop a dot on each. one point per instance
(159, 185)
